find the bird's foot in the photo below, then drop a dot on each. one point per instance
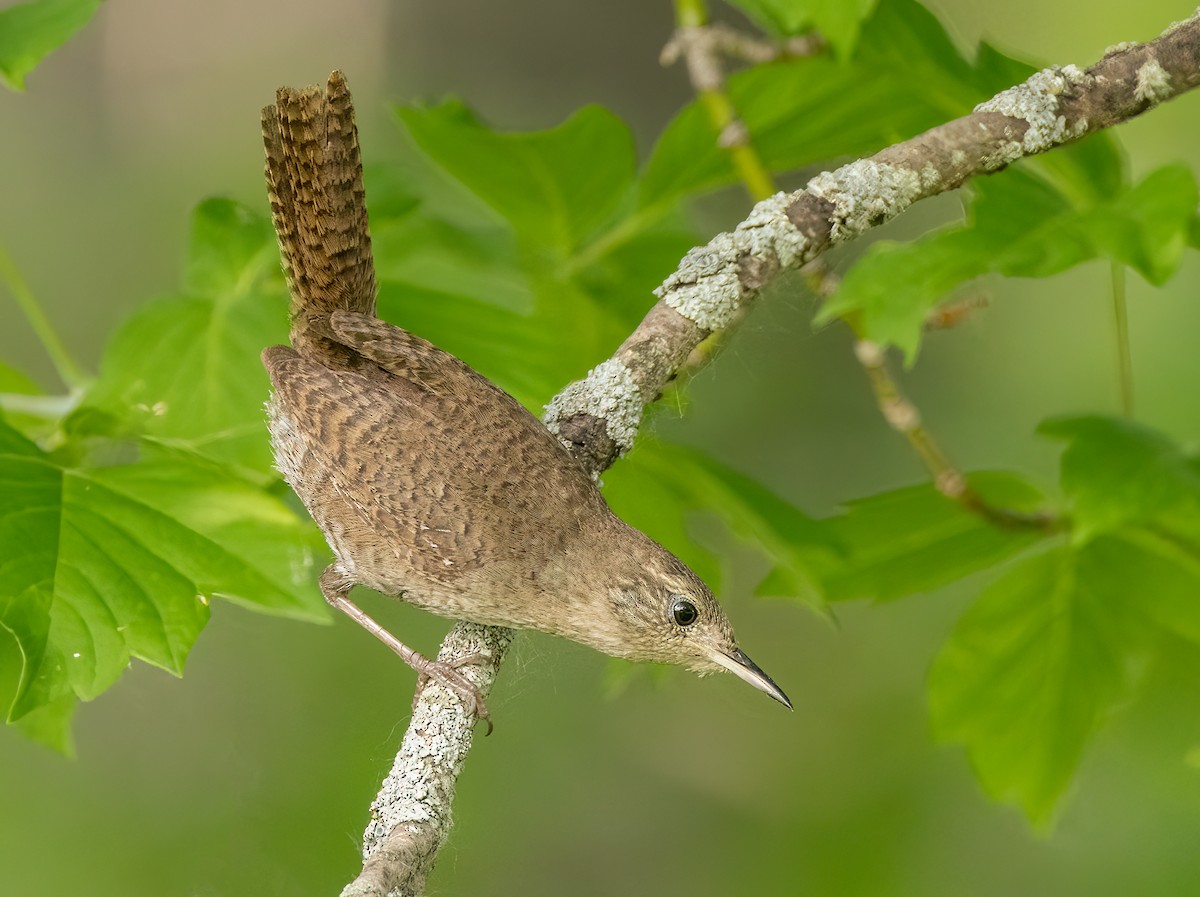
(449, 675)
(334, 586)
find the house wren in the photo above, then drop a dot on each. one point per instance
(431, 483)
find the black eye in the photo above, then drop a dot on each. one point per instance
(684, 612)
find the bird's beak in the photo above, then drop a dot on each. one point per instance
(743, 667)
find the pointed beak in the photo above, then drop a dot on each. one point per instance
(743, 667)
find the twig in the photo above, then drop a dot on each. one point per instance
(69, 372)
(597, 417)
(702, 45)
(903, 417)
(1121, 338)
(410, 817)
(728, 41)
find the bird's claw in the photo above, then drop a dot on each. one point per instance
(448, 675)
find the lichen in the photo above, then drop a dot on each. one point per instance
(1035, 101)
(866, 193)
(769, 230)
(707, 288)
(608, 392)
(1153, 82)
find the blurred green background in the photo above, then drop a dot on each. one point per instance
(253, 774)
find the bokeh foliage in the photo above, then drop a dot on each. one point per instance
(28, 31)
(531, 255)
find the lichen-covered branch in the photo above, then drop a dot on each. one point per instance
(410, 816)
(597, 418)
(702, 45)
(788, 230)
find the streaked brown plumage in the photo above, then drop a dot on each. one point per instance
(430, 483)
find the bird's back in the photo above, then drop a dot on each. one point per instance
(416, 496)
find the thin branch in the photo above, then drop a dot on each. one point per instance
(1121, 338)
(410, 817)
(703, 47)
(903, 417)
(701, 44)
(69, 372)
(597, 418)
(728, 41)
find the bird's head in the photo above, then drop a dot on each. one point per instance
(661, 612)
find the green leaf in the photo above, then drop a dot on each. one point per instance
(27, 408)
(49, 724)
(555, 187)
(1159, 575)
(788, 536)
(914, 540)
(185, 369)
(780, 16)
(12, 442)
(418, 252)
(1034, 220)
(1116, 472)
(432, 236)
(529, 319)
(15, 382)
(101, 564)
(1030, 672)
(29, 31)
(803, 111)
(838, 20)
(659, 484)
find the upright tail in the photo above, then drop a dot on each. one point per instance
(314, 181)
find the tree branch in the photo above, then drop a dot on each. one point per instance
(410, 817)
(701, 44)
(597, 418)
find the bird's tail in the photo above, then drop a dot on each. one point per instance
(314, 181)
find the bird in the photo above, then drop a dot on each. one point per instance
(430, 483)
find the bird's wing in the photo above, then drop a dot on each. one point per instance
(412, 359)
(439, 463)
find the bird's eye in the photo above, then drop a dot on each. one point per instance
(684, 612)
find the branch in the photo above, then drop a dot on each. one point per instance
(597, 418)
(702, 44)
(410, 817)
(788, 230)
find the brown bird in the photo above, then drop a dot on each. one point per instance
(431, 483)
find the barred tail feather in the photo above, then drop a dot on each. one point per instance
(314, 181)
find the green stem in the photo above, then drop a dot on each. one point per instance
(751, 171)
(1121, 332)
(691, 13)
(746, 161)
(71, 373)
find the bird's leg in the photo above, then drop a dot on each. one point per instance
(334, 588)
(423, 677)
